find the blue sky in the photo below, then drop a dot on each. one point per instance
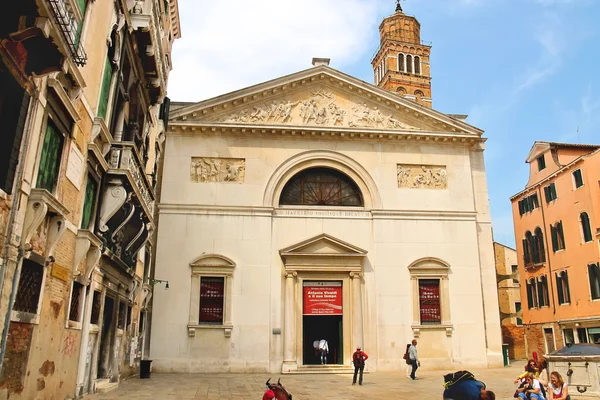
(523, 70)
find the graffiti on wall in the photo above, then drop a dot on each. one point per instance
(69, 345)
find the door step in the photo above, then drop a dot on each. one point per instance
(105, 385)
(323, 369)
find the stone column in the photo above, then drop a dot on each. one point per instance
(357, 315)
(289, 337)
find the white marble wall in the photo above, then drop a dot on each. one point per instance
(234, 221)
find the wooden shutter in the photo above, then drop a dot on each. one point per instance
(560, 236)
(547, 194)
(50, 159)
(105, 89)
(567, 293)
(89, 201)
(529, 296)
(559, 289)
(212, 293)
(429, 301)
(554, 236)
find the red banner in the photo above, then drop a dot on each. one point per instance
(322, 300)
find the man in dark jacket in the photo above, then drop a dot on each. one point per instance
(358, 359)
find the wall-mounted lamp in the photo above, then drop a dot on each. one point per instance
(155, 281)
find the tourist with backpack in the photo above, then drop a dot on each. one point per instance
(358, 359)
(462, 385)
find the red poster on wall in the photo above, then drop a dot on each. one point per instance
(322, 298)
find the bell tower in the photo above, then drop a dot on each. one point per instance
(401, 64)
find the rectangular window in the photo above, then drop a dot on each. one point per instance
(562, 287)
(518, 309)
(514, 268)
(96, 305)
(212, 294)
(594, 275)
(541, 162)
(121, 316)
(51, 158)
(577, 178)
(550, 192)
(30, 287)
(89, 202)
(105, 89)
(594, 335)
(582, 335)
(76, 297)
(429, 301)
(532, 295)
(558, 238)
(528, 204)
(569, 336)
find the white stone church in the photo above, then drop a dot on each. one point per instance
(319, 206)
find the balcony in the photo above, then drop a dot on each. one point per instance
(127, 206)
(534, 259)
(68, 23)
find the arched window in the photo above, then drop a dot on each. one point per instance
(417, 65)
(401, 91)
(409, 64)
(558, 237)
(562, 287)
(585, 227)
(419, 95)
(531, 294)
(543, 297)
(321, 187)
(401, 63)
(539, 253)
(527, 247)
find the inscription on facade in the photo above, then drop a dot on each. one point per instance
(211, 169)
(323, 213)
(321, 108)
(422, 176)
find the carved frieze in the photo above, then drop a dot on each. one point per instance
(422, 176)
(211, 169)
(321, 108)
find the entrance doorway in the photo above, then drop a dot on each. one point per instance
(104, 356)
(322, 319)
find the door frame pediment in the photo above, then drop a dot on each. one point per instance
(323, 253)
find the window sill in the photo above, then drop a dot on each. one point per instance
(25, 317)
(226, 329)
(73, 325)
(448, 327)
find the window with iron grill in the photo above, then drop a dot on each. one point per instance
(75, 302)
(212, 293)
(429, 301)
(30, 287)
(96, 305)
(321, 187)
(121, 317)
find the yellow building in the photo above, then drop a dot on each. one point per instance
(82, 94)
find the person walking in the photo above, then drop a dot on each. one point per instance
(414, 359)
(324, 350)
(358, 359)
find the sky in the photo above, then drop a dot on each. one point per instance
(523, 70)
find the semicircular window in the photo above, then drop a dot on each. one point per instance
(321, 187)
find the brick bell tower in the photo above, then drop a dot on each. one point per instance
(401, 64)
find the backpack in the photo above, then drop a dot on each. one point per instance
(455, 377)
(357, 359)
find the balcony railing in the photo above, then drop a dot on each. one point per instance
(533, 259)
(70, 28)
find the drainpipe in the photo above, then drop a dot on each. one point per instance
(31, 112)
(539, 191)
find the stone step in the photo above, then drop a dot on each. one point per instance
(323, 369)
(105, 386)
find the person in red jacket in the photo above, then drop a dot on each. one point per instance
(358, 359)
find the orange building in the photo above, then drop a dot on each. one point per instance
(556, 221)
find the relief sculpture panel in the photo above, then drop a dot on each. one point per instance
(213, 169)
(320, 108)
(422, 176)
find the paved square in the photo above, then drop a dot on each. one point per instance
(379, 386)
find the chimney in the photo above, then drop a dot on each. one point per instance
(320, 61)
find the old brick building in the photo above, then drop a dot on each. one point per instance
(557, 231)
(509, 300)
(83, 114)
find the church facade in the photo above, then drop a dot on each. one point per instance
(318, 206)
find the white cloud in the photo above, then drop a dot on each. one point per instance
(227, 45)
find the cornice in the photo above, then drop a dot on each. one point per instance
(192, 128)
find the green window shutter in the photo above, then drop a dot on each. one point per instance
(559, 289)
(547, 194)
(82, 6)
(106, 80)
(88, 205)
(554, 235)
(50, 159)
(567, 294)
(529, 296)
(560, 234)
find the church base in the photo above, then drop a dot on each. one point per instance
(321, 369)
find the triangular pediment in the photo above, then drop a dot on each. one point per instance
(320, 97)
(323, 245)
